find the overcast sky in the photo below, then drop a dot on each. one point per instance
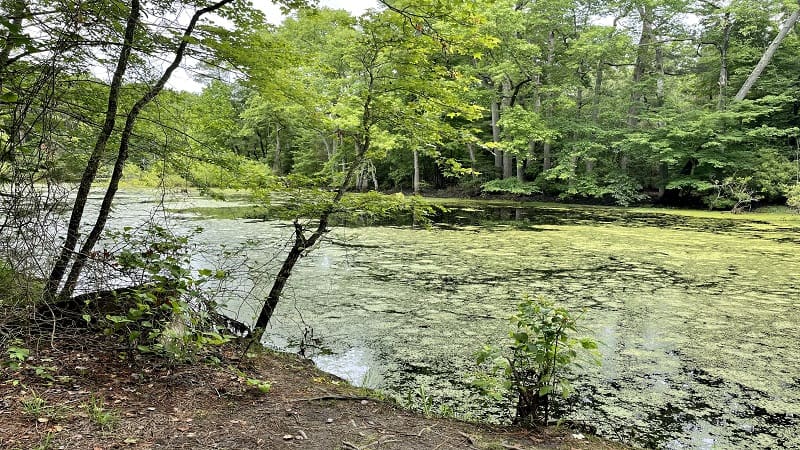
(356, 7)
(182, 81)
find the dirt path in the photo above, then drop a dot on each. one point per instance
(85, 397)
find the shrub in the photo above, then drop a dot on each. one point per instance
(533, 370)
(793, 197)
(166, 310)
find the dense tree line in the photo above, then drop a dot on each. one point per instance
(621, 101)
(618, 101)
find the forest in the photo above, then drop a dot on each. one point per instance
(622, 102)
(168, 166)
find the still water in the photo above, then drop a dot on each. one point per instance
(696, 313)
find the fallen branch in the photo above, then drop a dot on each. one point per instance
(333, 397)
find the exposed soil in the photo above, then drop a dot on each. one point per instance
(148, 404)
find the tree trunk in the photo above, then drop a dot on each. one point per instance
(723, 56)
(645, 42)
(301, 244)
(498, 154)
(508, 159)
(122, 155)
(416, 172)
(276, 162)
(598, 86)
(546, 163)
(89, 173)
(767, 56)
(261, 145)
(471, 149)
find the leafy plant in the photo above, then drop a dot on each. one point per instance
(533, 370)
(167, 311)
(17, 354)
(262, 385)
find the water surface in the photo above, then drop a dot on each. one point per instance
(696, 312)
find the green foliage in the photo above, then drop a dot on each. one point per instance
(373, 207)
(262, 385)
(511, 186)
(17, 355)
(168, 312)
(534, 369)
(793, 197)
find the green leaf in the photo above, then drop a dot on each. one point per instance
(8, 97)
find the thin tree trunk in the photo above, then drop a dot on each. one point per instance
(508, 158)
(90, 172)
(261, 145)
(598, 86)
(471, 149)
(276, 162)
(498, 154)
(767, 56)
(122, 155)
(416, 172)
(723, 56)
(546, 157)
(301, 244)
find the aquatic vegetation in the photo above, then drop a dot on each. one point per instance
(694, 309)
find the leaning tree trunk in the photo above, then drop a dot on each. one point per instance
(301, 244)
(767, 56)
(90, 172)
(122, 155)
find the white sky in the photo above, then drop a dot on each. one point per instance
(182, 81)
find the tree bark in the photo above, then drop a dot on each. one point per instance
(416, 172)
(276, 162)
(546, 156)
(767, 56)
(90, 172)
(122, 155)
(498, 154)
(301, 243)
(723, 56)
(508, 158)
(471, 149)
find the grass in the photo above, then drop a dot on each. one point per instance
(105, 419)
(46, 443)
(35, 406)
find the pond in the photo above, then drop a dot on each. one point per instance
(696, 312)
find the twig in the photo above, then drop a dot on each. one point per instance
(511, 447)
(346, 444)
(332, 397)
(467, 437)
